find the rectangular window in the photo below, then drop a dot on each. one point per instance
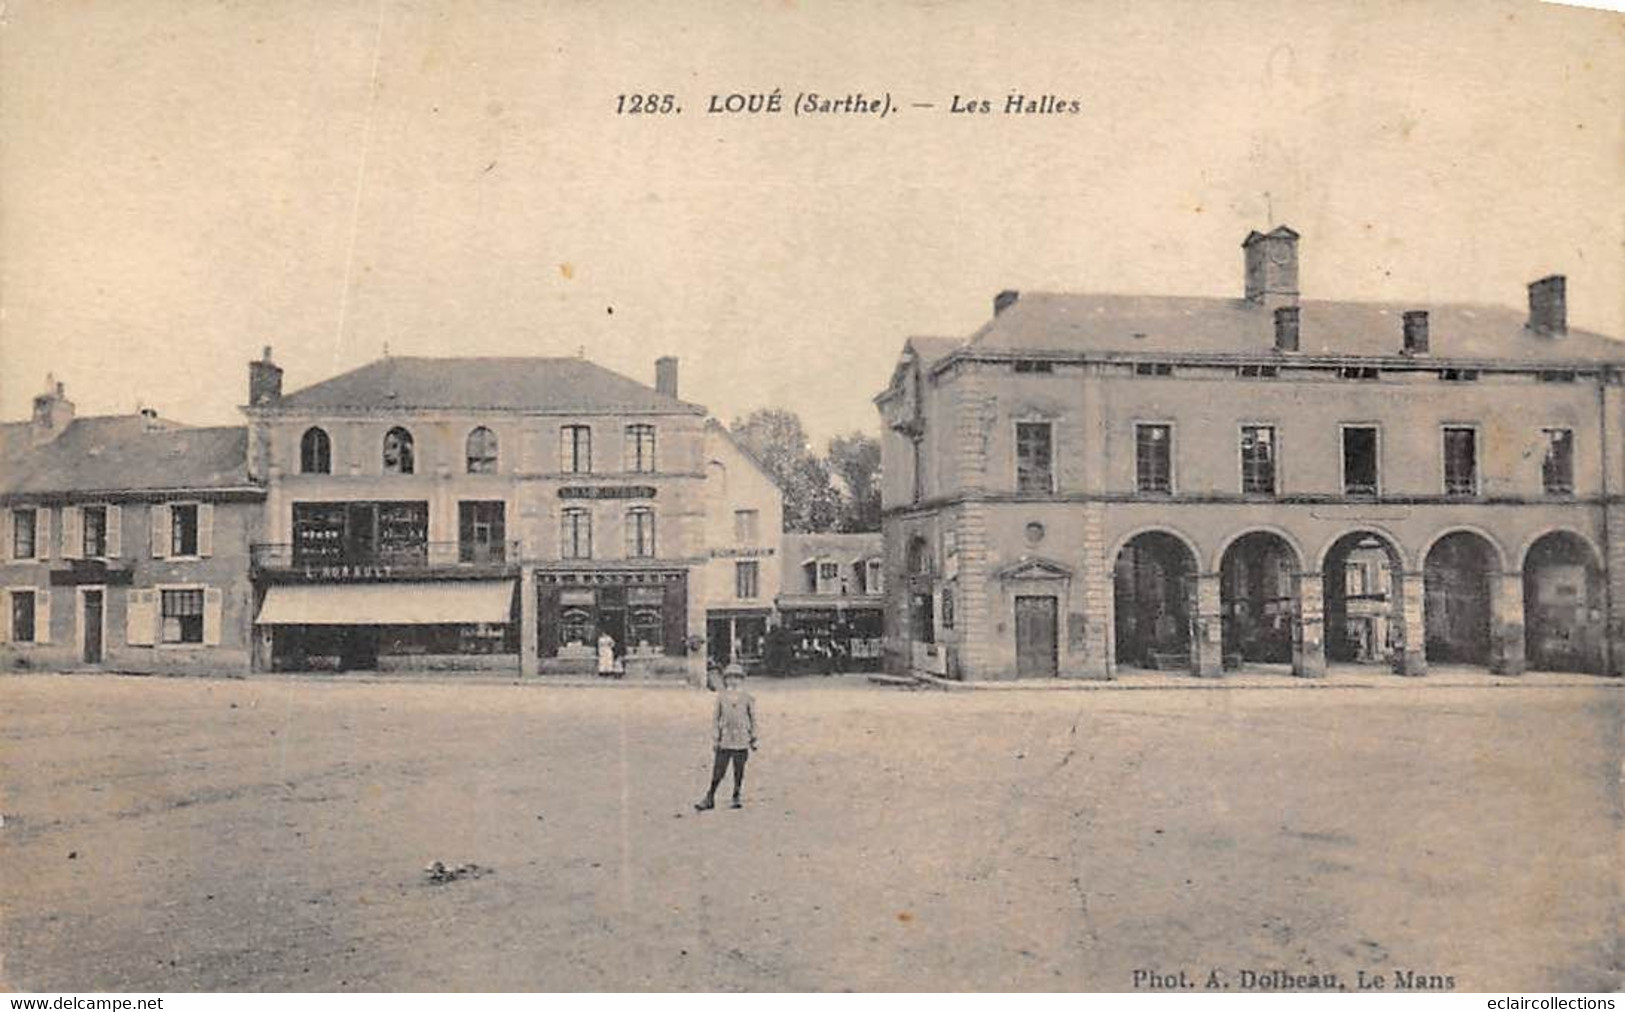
(183, 529)
(640, 448)
(1153, 369)
(1359, 460)
(1153, 458)
(575, 535)
(22, 616)
(746, 580)
(640, 533)
(94, 519)
(829, 577)
(1557, 469)
(183, 616)
(1258, 459)
(1033, 457)
(22, 533)
(1460, 460)
(747, 526)
(482, 531)
(575, 449)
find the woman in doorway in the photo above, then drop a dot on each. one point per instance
(606, 656)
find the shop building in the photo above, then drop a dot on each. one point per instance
(833, 601)
(744, 520)
(1091, 484)
(479, 513)
(124, 543)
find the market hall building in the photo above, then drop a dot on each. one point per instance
(479, 513)
(1095, 483)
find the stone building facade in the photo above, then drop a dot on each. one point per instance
(124, 543)
(1090, 484)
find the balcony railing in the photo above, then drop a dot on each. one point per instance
(426, 555)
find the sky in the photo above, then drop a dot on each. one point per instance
(184, 183)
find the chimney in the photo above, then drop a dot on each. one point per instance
(264, 381)
(1416, 332)
(149, 420)
(1004, 300)
(1272, 267)
(1548, 306)
(53, 412)
(1286, 328)
(666, 375)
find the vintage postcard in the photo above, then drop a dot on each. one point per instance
(811, 496)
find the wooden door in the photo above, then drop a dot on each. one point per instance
(1036, 637)
(93, 627)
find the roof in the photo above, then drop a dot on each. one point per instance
(744, 451)
(833, 547)
(512, 384)
(931, 349)
(117, 453)
(1138, 324)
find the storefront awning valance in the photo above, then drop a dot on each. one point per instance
(444, 602)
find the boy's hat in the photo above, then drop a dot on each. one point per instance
(735, 669)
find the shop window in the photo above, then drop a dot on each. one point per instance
(481, 451)
(575, 449)
(640, 448)
(183, 616)
(22, 616)
(578, 625)
(640, 533)
(183, 529)
(1034, 472)
(398, 452)
(1359, 460)
(23, 527)
(481, 531)
(747, 580)
(747, 526)
(1557, 468)
(1460, 460)
(1153, 458)
(1258, 459)
(575, 535)
(94, 520)
(646, 618)
(315, 452)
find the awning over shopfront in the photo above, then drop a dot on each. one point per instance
(443, 602)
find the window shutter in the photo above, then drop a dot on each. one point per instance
(42, 533)
(205, 529)
(8, 531)
(42, 616)
(160, 530)
(5, 616)
(141, 617)
(213, 602)
(115, 532)
(73, 533)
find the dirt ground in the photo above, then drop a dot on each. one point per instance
(271, 835)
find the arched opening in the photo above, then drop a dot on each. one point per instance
(1152, 586)
(1255, 594)
(1565, 621)
(481, 451)
(1456, 580)
(315, 452)
(398, 457)
(1363, 580)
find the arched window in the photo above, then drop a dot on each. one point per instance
(482, 451)
(315, 452)
(640, 533)
(398, 451)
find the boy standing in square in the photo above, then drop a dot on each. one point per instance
(733, 735)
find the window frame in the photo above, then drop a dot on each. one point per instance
(640, 532)
(1149, 423)
(33, 533)
(1275, 458)
(633, 436)
(85, 512)
(175, 512)
(489, 460)
(1445, 428)
(307, 448)
(406, 451)
(1546, 457)
(161, 639)
(1049, 427)
(32, 593)
(754, 569)
(582, 523)
(1343, 429)
(747, 526)
(580, 436)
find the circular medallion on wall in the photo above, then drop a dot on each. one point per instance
(1035, 532)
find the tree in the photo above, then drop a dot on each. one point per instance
(855, 459)
(778, 440)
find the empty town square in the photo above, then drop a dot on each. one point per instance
(298, 833)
